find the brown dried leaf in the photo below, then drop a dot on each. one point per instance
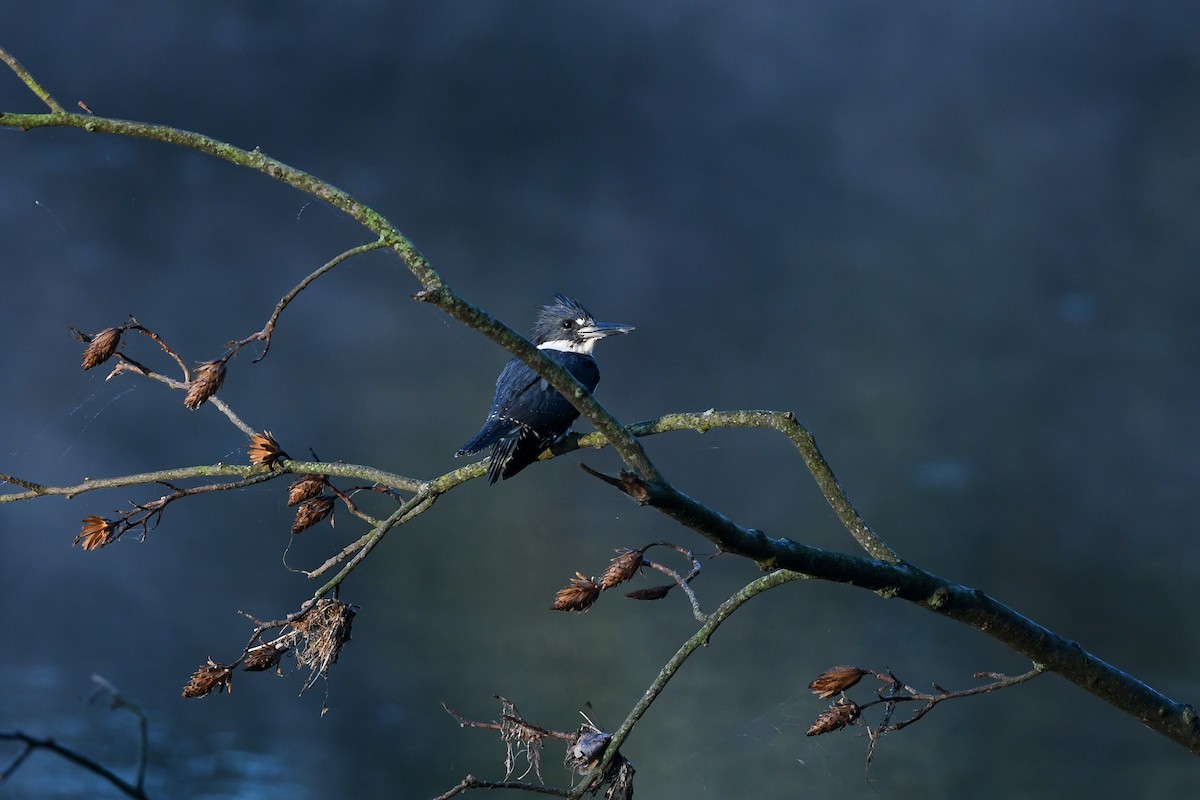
(263, 450)
(653, 593)
(836, 679)
(621, 569)
(834, 718)
(582, 592)
(305, 488)
(101, 347)
(97, 532)
(206, 380)
(212, 676)
(311, 512)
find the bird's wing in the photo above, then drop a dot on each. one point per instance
(526, 404)
(515, 380)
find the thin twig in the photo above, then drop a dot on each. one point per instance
(139, 479)
(117, 700)
(471, 782)
(127, 364)
(29, 81)
(784, 422)
(134, 325)
(509, 720)
(412, 508)
(683, 582)
(96, 768)
(268, 330)
(698, 639)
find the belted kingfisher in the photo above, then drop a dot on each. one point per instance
(528, 414)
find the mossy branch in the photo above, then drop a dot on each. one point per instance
(700, 638)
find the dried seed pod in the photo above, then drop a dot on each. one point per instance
(262, 658)
(582, 592)
(264, 450)
(836, 679)
(653, 593)
(206, 380)
(311, 512)
(210, 677)
(621, 569)
(97, 532)
(308, 486)
(834, 718)
(101, 347)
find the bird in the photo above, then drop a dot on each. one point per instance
(528, 414)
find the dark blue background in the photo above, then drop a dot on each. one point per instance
(959, 240)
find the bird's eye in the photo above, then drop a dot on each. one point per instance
(568, 324)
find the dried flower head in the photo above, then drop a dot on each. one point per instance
(308, 486)
(834, 718)
(206, 380)
(97, 532)
(311, 512)
(836, 679)
(621, 569)
(264, 450)
(101, 347)
(262, 658)
(582, 592)
(653, 593)
(212, 676)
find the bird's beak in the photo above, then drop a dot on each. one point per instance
(599, 330)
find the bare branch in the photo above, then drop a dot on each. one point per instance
(117, 700)
(782, 421)
(75, 757)
(698, 639)
(268, 330)
(139, 479)
(846, 712)
(28, 80)
(471, 782)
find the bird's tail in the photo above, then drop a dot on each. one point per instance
(489, 435)
(502, 457)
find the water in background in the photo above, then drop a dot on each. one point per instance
(959, 241)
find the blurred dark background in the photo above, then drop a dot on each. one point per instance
(959, 240)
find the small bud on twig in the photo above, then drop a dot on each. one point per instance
(834, 718)
(582, 592)
(101, 347)
(206, 380)
(262, 658)
(621, 569)
(210, 677)
(305, 488)
(836, 679)
(311, 512)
